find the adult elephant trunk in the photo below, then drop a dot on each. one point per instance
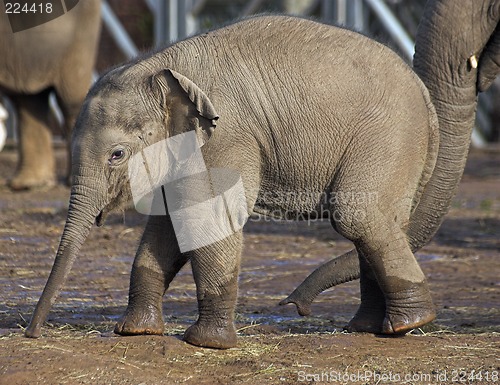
(82, 212)
(346, 268)
(457, 55)
(450, 74)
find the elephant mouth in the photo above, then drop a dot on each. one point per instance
(103, 214)
(117, 203)
(121, 201)
(101, 217)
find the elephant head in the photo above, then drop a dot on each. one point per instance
(126, 111)
(457, 55)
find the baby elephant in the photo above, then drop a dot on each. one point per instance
(273, 115)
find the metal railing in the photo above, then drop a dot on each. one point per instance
(176, 19)
(117, 31)
(171, 20)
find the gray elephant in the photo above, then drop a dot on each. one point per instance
(316, 120)
(457, 55)
(57, 55)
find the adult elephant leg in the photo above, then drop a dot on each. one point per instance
(215, 269)
(36, 167)
(70, 101)
(70, 112)
(371, 312)
(157, 262)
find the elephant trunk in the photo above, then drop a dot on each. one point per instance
(450, 74)
(81, 216)
(346, 268)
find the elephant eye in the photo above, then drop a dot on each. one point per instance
(116, 156)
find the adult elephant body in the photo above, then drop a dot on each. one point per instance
(457, 55)
(57, 55)
(315, 119)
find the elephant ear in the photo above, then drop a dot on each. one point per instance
(198, 98)
(489, 64)
(203, 104)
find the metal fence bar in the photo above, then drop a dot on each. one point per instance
(172, 20)
(152, 5)
(161, 26)
(116, 29)
(182, 12)
(341, 12)
(170, 25)
(393, 26)
(355, 15)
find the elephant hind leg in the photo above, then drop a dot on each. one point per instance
(370, 315)
(215, 270)
(36, 166)
(384, 245)
(70, 110)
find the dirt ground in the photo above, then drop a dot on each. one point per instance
(276, 346)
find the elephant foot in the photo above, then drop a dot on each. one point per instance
(368, 319)
(371, 312)
(221, 336)
(408, 309)
(136, 322)
(403, 323)
(29, 182)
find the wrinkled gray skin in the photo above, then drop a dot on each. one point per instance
(58, 55)
(299, 109)
(449, 34)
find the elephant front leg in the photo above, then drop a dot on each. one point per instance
(215, 270)
(157, 262)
